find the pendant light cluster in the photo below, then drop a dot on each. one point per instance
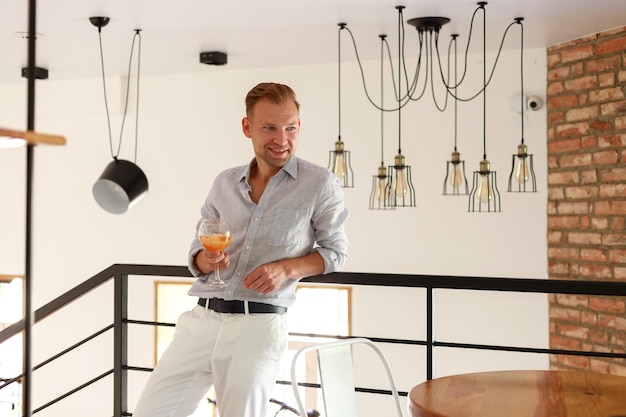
(395, 187)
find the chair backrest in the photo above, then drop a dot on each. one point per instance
(337, 376)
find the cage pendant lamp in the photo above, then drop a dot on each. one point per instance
(339, 157)
(455, 182)
(484, 196)
(380, 195)
(122, 184)
(401, 191)
(522, 178)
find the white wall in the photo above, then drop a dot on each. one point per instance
(190, 130)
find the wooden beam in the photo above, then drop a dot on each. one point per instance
(32, 138)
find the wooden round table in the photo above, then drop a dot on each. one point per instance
(521, 394)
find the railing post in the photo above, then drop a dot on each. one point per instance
(429, 333)
(120, 342)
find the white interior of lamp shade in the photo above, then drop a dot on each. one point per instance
(110, 196)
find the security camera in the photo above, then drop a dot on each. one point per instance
(534, 103)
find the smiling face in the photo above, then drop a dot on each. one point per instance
(273, 129)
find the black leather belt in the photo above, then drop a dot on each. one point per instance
(237, 306)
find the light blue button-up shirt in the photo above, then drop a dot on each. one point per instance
(301, 210)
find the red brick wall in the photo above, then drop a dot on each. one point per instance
(586, 110)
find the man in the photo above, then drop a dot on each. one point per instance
(287, 220)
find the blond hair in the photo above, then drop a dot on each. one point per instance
(274, 92)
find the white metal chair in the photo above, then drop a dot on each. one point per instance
(337, 376)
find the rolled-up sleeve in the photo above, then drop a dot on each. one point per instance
(328, 223)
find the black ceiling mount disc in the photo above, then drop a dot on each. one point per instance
(428, 23)
(99, 21)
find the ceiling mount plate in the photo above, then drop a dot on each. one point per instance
(213, 58)
(99, 21)
(428, 23)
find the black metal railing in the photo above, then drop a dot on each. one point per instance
(119, 273)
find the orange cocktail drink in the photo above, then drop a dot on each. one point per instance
(214, 235)
(215, 242)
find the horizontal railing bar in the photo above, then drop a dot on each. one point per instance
(300, 384)
(531, 350)
(139, 368)
(92, 283)
(357, 389)
(75, 390)
(469, 346)
(156, 270)
(62, 353)
(60, 302)
(373, 339)
(150, 323)
(73, 294)
(74, 346)
(539, 285)
(379, 391)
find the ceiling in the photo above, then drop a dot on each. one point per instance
(262, 33)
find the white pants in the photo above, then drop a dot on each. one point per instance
(238, 353)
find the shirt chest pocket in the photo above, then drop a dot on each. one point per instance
(288, 226)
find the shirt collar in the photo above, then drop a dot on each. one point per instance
(291, 168)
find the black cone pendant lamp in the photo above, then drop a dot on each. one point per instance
(122, 183)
